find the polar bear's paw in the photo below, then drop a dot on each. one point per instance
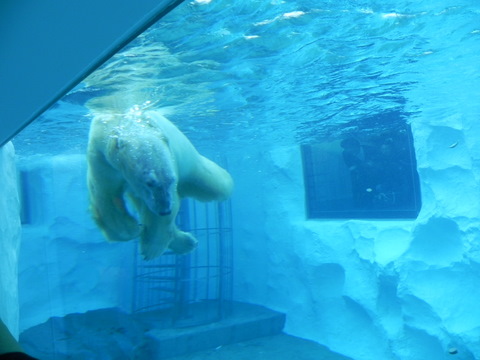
(152, 247)
(183, 243)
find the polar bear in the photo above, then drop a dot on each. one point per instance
(139, 168)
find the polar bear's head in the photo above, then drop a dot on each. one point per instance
(148, 168)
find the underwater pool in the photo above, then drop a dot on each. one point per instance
(351, 132)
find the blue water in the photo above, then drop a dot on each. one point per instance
(241, 78)
(235, 71)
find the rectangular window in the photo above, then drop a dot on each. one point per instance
(366, 176)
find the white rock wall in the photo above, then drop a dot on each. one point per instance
(403, 290)
(66, 266)
(9, 238)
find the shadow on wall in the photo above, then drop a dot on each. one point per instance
(437, 242)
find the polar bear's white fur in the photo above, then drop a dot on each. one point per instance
(148, 162)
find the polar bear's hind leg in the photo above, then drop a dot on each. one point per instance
(183, 242)
(209, 182)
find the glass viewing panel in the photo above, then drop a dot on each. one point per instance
(364, 176)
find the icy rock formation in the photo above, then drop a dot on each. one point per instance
(9, 238)
(66, 266)
(392, 290)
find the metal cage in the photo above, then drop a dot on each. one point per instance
(193, 289)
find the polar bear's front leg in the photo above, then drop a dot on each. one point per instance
(107, 203)
(160, 233)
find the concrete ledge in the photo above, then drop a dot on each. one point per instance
(111, 334)
(246, 322)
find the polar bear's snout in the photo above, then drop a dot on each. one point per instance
(164, 205)
(165, 213)
(160, 199)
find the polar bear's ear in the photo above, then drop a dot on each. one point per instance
(120, 143)
(116, 142)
